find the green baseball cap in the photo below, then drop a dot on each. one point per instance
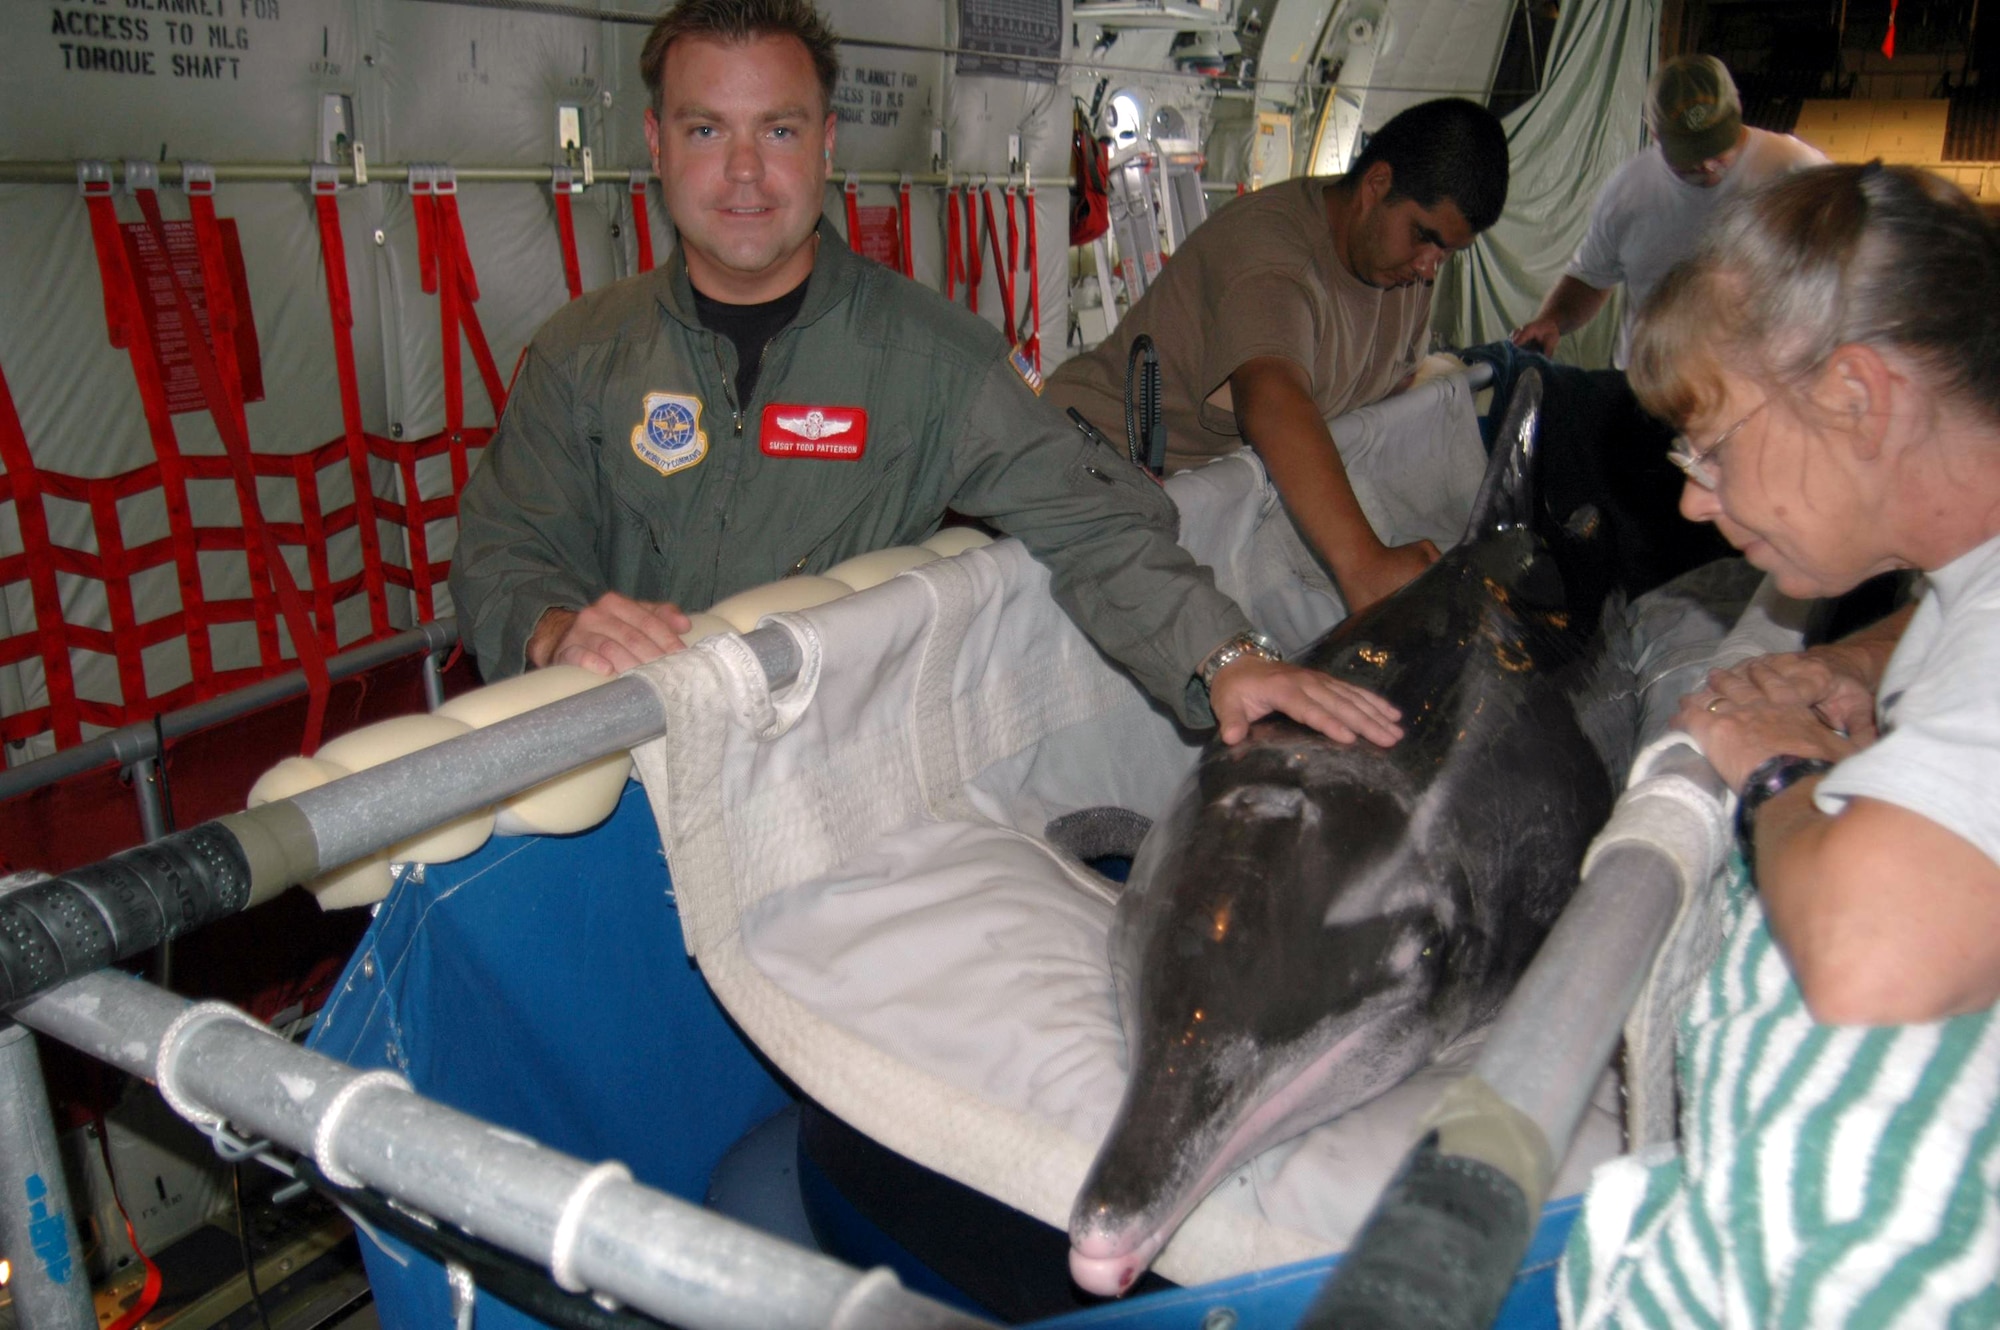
(1693, 110)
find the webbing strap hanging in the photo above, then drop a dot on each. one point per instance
(1001, 272)
(1033, 344)
(340, 304)
(642, 230)
(23, 484)
(451, 237)
(129, 331)
(93, 181)
(565, 182)
(226, 409)
(906, 239)
(421, 181)
(198, 183)
(973, 271)
(1013, 240)
(954, 259)
(850, 191)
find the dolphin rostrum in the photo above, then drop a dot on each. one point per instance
(1312, 920)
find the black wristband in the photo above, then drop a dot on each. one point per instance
(1772, 778)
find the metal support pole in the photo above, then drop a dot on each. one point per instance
(433, 682)
(145, 777)
(37, 1227)
(592, 1227)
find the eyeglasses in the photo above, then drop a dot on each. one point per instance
(1700, 465)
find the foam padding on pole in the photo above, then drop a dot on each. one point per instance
(1437, 1253)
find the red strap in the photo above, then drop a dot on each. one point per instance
(421, 194)
(954, 260)
(229, 423)
(149, 1292)
(222, 322)
(1033, 346)
(973, 270)
(24, 481)
(851, 192)
(122, 297)
(111, 267)
(1001, 272)
(642, 228)
(566, 230)
(906, 242)
(333, 257)
(1013, 236)
(451, 238)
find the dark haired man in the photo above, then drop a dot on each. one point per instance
(646, 462)
(1301, 301)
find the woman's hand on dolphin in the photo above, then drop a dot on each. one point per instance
(1832, 680)
(1742, 720)
(1250, 688)
(611, 634)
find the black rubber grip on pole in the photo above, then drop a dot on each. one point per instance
(85, 919)
(1438, 1252)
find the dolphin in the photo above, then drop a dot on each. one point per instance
(1312, 920)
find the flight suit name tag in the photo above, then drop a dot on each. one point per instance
(826, 433)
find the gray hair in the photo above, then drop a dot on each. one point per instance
(1887, 256)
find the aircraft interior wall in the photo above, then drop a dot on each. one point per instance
(244, 81)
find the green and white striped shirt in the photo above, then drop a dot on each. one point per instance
(1827, 1175)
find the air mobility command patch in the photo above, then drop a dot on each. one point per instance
(668, 437)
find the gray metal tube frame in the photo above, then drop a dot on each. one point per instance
(687, 1266)
(1555, 1036)
(374, 809)
(50, 1286)
(130, 745)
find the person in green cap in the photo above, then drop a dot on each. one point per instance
(1653, 211)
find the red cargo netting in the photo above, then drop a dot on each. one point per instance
(185, 322)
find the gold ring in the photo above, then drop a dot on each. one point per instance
(1714, 703)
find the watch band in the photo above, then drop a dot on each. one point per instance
(1772, 778)
(1237, 647)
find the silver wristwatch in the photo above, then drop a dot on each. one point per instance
(1237, 647)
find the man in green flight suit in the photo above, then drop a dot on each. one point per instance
(769, 402)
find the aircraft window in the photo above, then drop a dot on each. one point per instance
(1125, 118)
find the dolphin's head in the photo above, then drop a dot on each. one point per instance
(1293, 931)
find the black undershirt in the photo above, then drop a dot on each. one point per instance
(751, 327)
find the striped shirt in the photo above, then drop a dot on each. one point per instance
(1827, 1175)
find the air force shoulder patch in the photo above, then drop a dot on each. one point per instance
(668, 437)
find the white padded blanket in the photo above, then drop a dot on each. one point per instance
(860, 875)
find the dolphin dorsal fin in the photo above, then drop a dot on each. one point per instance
(1507, 494)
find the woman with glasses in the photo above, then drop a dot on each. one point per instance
(1832, 357)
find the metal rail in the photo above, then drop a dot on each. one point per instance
(593, 1228)
(137, 743)
(64, 173)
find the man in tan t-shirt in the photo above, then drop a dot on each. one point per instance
(1306, 299)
